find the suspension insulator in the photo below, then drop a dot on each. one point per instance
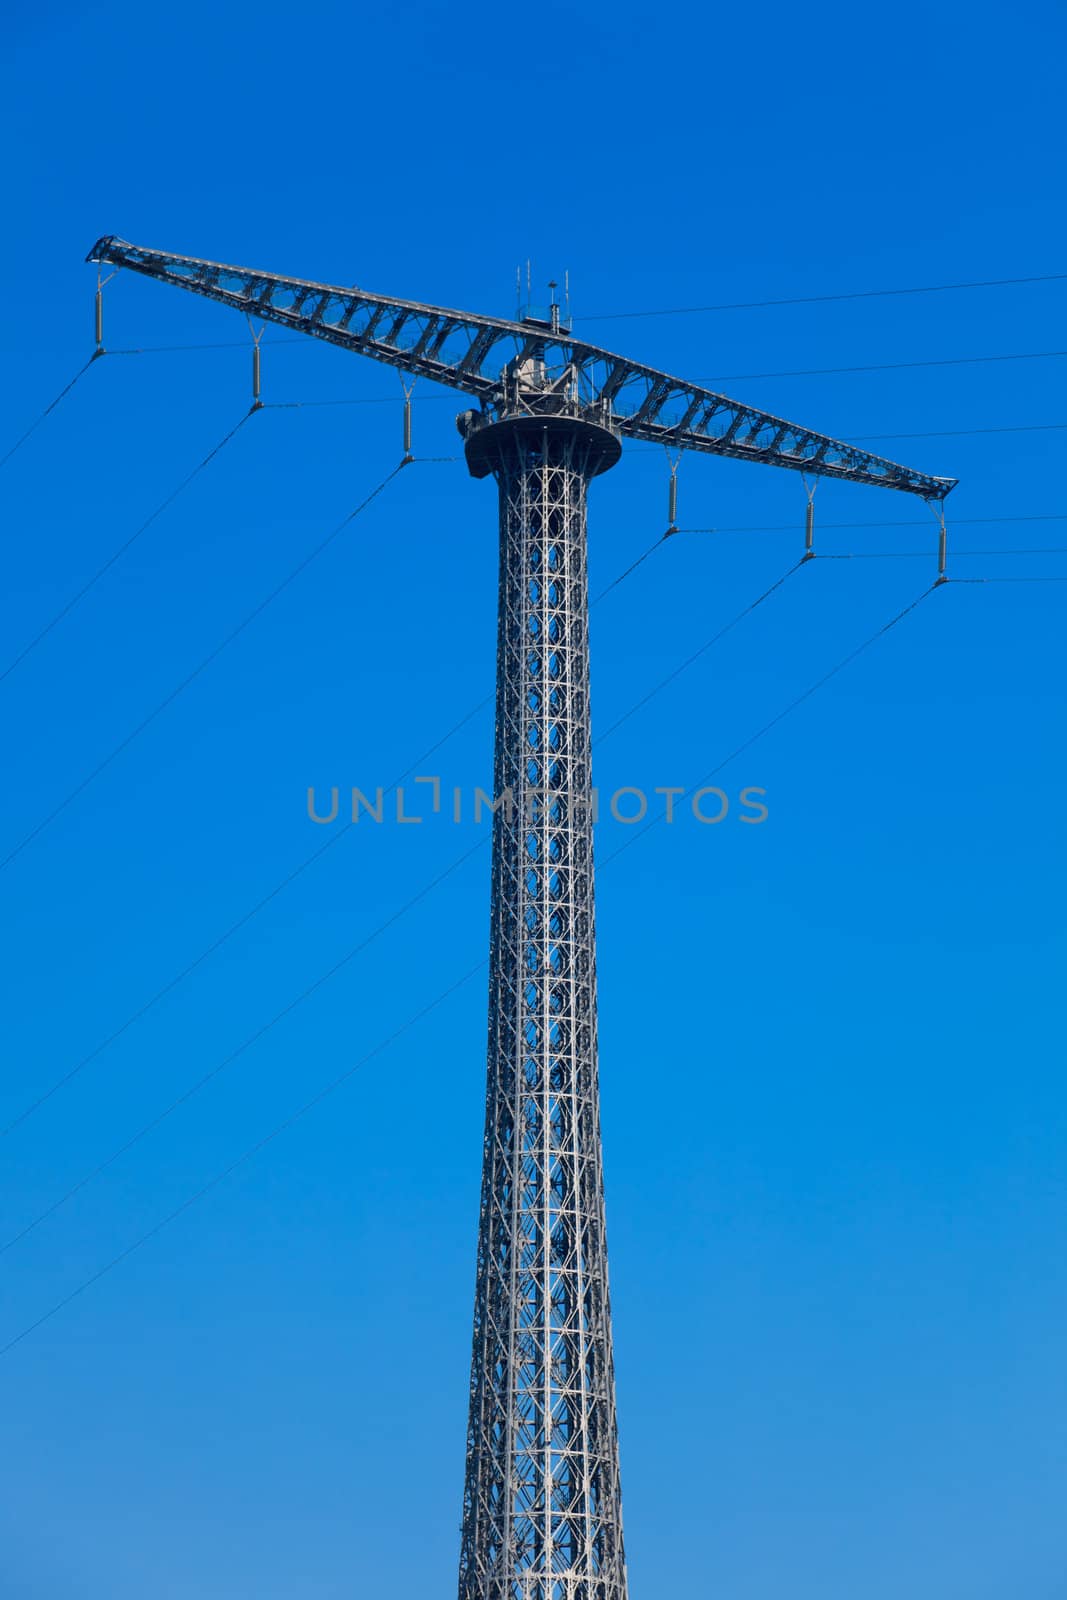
(255, 376)
(407, 428)
(672, 503)
(99, 319)
(942, 551)
(809, 530)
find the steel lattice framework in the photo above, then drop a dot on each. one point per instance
(542, 1513)
(542, 1516)
(472, 352)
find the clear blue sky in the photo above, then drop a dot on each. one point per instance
(831, 1045)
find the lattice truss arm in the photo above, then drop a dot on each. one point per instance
(473, 353)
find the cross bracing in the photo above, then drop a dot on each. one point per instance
(472, 352)
(542, 1506)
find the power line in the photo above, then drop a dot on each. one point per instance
(614, 584)
(337, 1082)
(213, 1183)
(793, 705)
(219, 344)
(347, 827)
(915, 555)
(729, 377)
(960, 433)
(49, 408)
(1010, 580)
(191, 677)
(689, 311)
(891, 366)
(734, 377)
(245, 1045)
(366, 400)
(356, 950)
(223, 938)
(75, 599)
(242, 921)
(706, 646)
(914, 522)
(824, 299)
(855, 438)
(852, 438)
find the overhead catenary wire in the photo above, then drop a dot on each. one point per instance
(793, 705)
(890, 624)
(290, 405)
(627, 571)
(961, 433)
(196, 672)
(912, 522)
(727, 377)
(47, 412)
(116, 555)
(938, 433)
(246, 1044)
(690, 660)
(891, 366)
(915, 555)
(836, 297)
(246, 1156)
(246, 917)
(852, 438)
(311, 989)
(233, 928)
(182, 349)
(334, 838)
(825, 299)
(737, 377)
(342, 1078)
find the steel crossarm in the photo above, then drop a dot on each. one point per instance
(473, 353)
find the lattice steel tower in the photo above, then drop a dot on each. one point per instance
(542, 1515)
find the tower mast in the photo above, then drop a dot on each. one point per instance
(542, 1517)
(542, 1513)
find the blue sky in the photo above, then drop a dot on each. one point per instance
(831, 1045)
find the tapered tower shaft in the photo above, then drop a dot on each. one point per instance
(542, 1515)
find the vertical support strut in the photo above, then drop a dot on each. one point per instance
(542, 1517)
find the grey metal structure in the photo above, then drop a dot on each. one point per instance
(542, 1514)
